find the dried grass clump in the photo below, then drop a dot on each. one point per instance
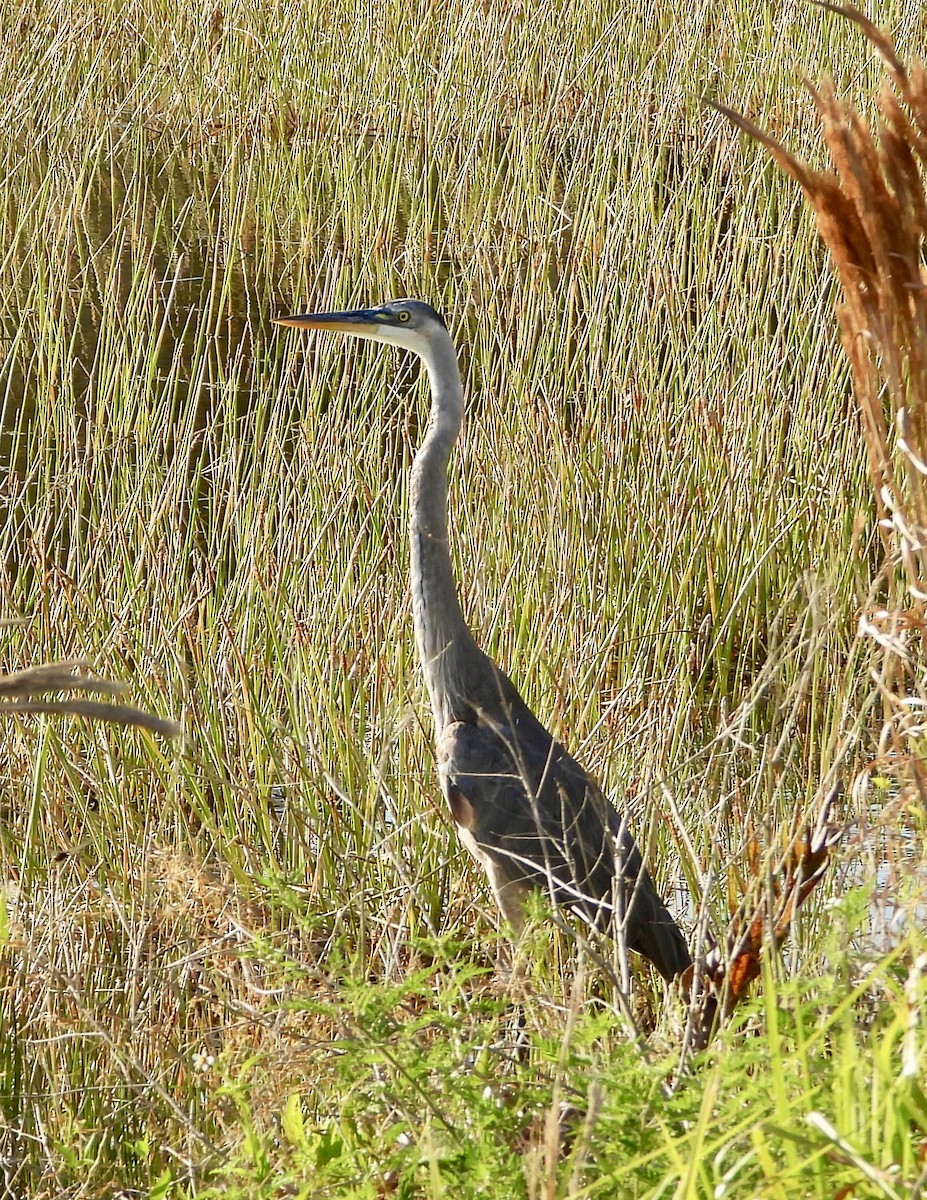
(140, 986)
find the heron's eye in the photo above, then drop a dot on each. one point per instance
(402, 315)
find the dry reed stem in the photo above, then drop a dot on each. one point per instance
(761, 923)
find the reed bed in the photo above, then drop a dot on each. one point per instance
(252, 961)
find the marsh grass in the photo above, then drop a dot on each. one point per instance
(255, 960)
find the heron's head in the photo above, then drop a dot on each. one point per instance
(411, 324)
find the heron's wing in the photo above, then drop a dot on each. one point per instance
(533, 810)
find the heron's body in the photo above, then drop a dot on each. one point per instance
(524, 808)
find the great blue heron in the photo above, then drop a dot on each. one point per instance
(524, 808)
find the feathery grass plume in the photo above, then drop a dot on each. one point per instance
(871, 213)
(17, 690)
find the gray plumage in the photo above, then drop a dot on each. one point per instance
(522, 805)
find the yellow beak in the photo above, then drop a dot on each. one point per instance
(363, 320)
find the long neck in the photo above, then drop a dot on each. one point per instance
(445, 646)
